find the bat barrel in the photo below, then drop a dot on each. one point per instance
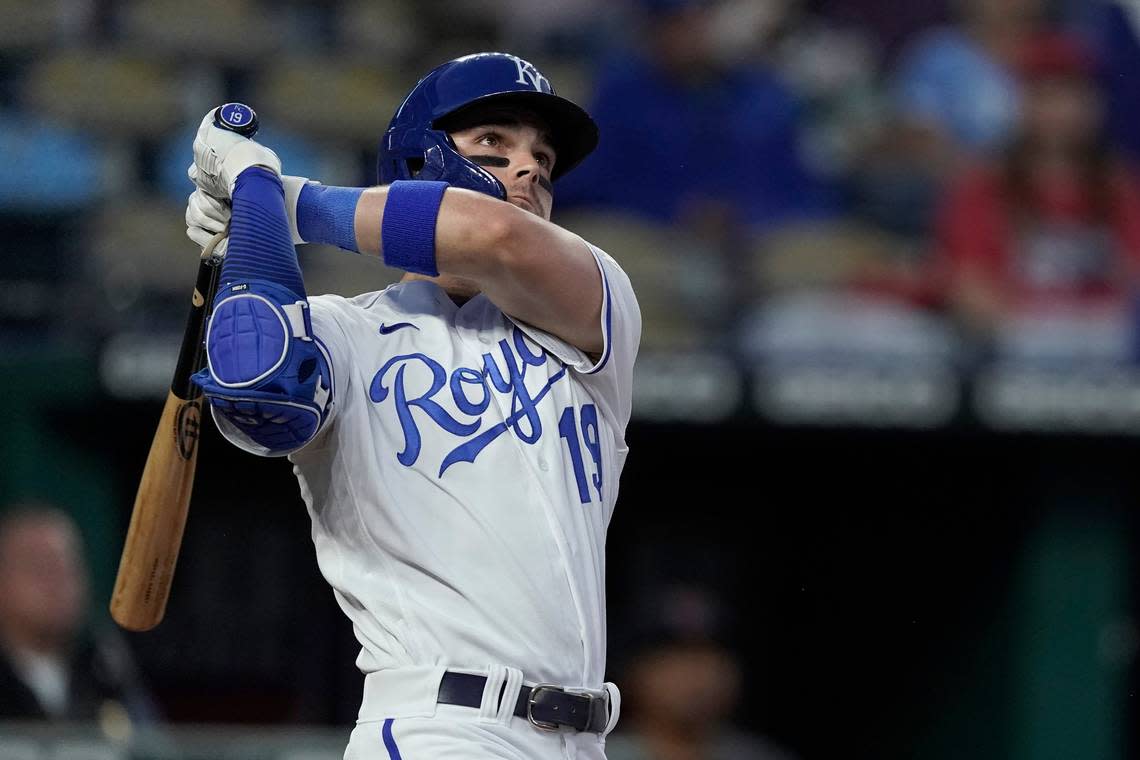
(154, 537)
(158, 519)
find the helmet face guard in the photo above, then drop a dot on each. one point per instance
(414, 148)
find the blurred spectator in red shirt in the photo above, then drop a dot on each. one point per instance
(1054, 224)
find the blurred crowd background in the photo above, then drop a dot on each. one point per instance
(882, 497)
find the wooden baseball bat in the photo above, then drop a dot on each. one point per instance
(146, 568)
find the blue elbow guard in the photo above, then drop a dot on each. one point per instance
(265, 373)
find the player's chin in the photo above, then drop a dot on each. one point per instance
(528, 205)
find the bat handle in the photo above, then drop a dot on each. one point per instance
(210, 253)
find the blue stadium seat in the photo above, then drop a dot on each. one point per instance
(46, 168)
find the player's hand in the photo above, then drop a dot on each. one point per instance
(206, 216)
(221, 155)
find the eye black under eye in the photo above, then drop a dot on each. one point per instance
(489, 161)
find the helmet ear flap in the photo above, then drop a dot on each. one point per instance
(431, 156)
(441, 161)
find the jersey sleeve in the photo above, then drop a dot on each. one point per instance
(610, 373)
(327, 314)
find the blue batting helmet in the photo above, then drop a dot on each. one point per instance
(415, 147)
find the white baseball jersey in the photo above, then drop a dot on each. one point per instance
(461, 489)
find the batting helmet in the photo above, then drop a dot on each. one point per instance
(415, 147)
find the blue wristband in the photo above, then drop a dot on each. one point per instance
(328, 215)
(408, 229)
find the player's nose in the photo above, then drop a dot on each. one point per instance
(527, 168)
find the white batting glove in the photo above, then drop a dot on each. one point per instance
(206, 216)
(221, 155)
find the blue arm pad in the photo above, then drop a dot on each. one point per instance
(265, 373)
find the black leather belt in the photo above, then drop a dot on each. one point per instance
(546, 706)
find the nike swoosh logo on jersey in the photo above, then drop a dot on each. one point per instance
(386, 329)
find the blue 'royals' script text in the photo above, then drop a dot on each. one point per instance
(470, 394)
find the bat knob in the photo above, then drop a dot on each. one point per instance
(236, 117)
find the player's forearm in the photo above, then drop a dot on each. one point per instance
(472, 232)
(472, 235)
(531, 269)
(353, 219)
(260, 245)
(266, 376)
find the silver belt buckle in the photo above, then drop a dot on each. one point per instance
(549, 725)
(544, 725)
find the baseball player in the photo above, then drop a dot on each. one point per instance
(457, 436)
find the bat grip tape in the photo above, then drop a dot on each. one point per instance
(190, 352)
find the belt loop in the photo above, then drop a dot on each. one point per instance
(510, 695)
(489, 707)
(615, 707)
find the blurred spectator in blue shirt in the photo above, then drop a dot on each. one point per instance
(954, 82)
(955, 99)
(686, 137)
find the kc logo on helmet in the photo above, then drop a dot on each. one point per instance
(528, 74)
